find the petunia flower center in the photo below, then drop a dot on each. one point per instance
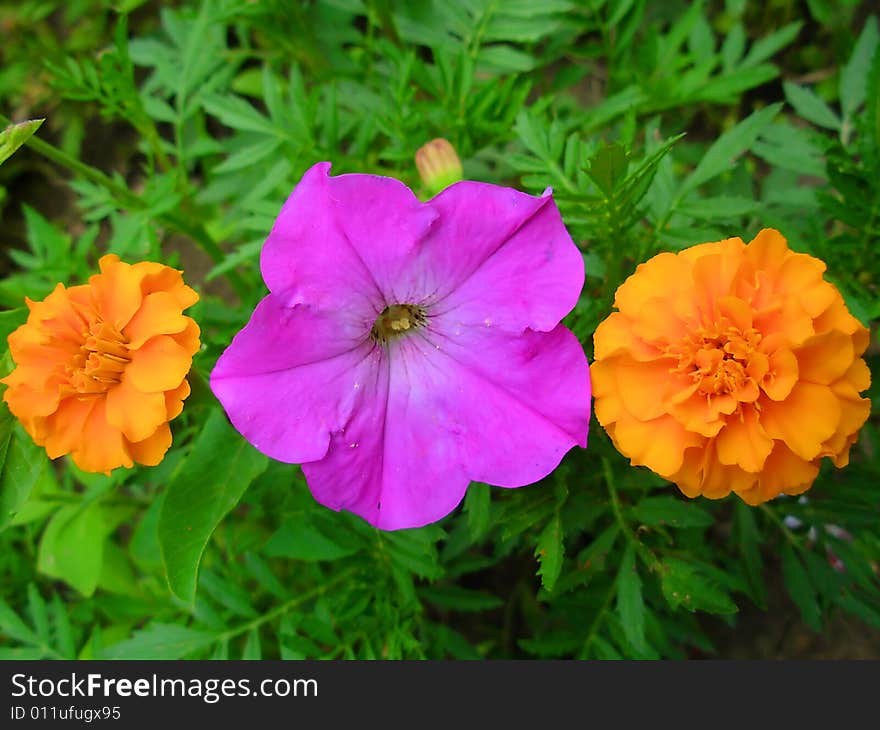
(722, 361)
(101, 359)
(397, 320)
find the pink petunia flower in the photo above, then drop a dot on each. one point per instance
(408, 348)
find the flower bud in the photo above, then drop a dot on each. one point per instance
(438, 165)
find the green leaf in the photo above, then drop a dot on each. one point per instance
(46, 240)
(638, 182)
(63, 630)
(749, 540)
(236, 113)
(810, 106)
(22, 465)
(160, 641)
(799, 586)
(733, 46)
(10, 320)
(15, 135)
(476, 505)
(456, 598)
(117, 575)
(39, 613)
(684, 585)
(854, 77)
(764, 48)
(668, 510)
(203, 489)
(721, 156)
(13, 627)
(250, 155)
(593, 556)
(709, 209)
(613, 106)
(72, 546)
(413, 550)
(505, 58)
(550, 552)
(252, 649)
(867, 612)
(299, 538)
(630, 603)
(791, 148)
(608, 167)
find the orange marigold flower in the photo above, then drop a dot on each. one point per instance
(732, 367)
(101, 368)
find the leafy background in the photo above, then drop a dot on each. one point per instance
(174, 131)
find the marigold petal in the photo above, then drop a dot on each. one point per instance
(159, 314)
(788, 319)
(134, 412)
(151, 450)
(160, 278)
(189, 338)
(116, 291)
(658, 444)
(768, 250)
(100, 447)
(27, 402)
(854, 411)
(701, 414)
(608, 405)
(715, 274)
(615, 335)
(817, 298)
(804, 420)
(743, 441)
(689, 478)
(161, 364)
(737, 311)
(645, 386)
(702, 474)
(64, 428)
(648, 279)
(824, 358)
(859, 375)
(659, 322)
(174, 400)
(702, 250)
(799, 275)
(784, 472)
(719, 479)
(782, 374)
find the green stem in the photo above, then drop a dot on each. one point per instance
(783, 528)
(129, 200)
(644, 552)
(597, 620)
(287, 606)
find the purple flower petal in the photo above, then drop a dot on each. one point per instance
(500, 254)
(341, 241)
(493, 415)
(532, 279)
(290, 379)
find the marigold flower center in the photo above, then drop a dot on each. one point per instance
(397, 320)
(721, 361)
(101, 359)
